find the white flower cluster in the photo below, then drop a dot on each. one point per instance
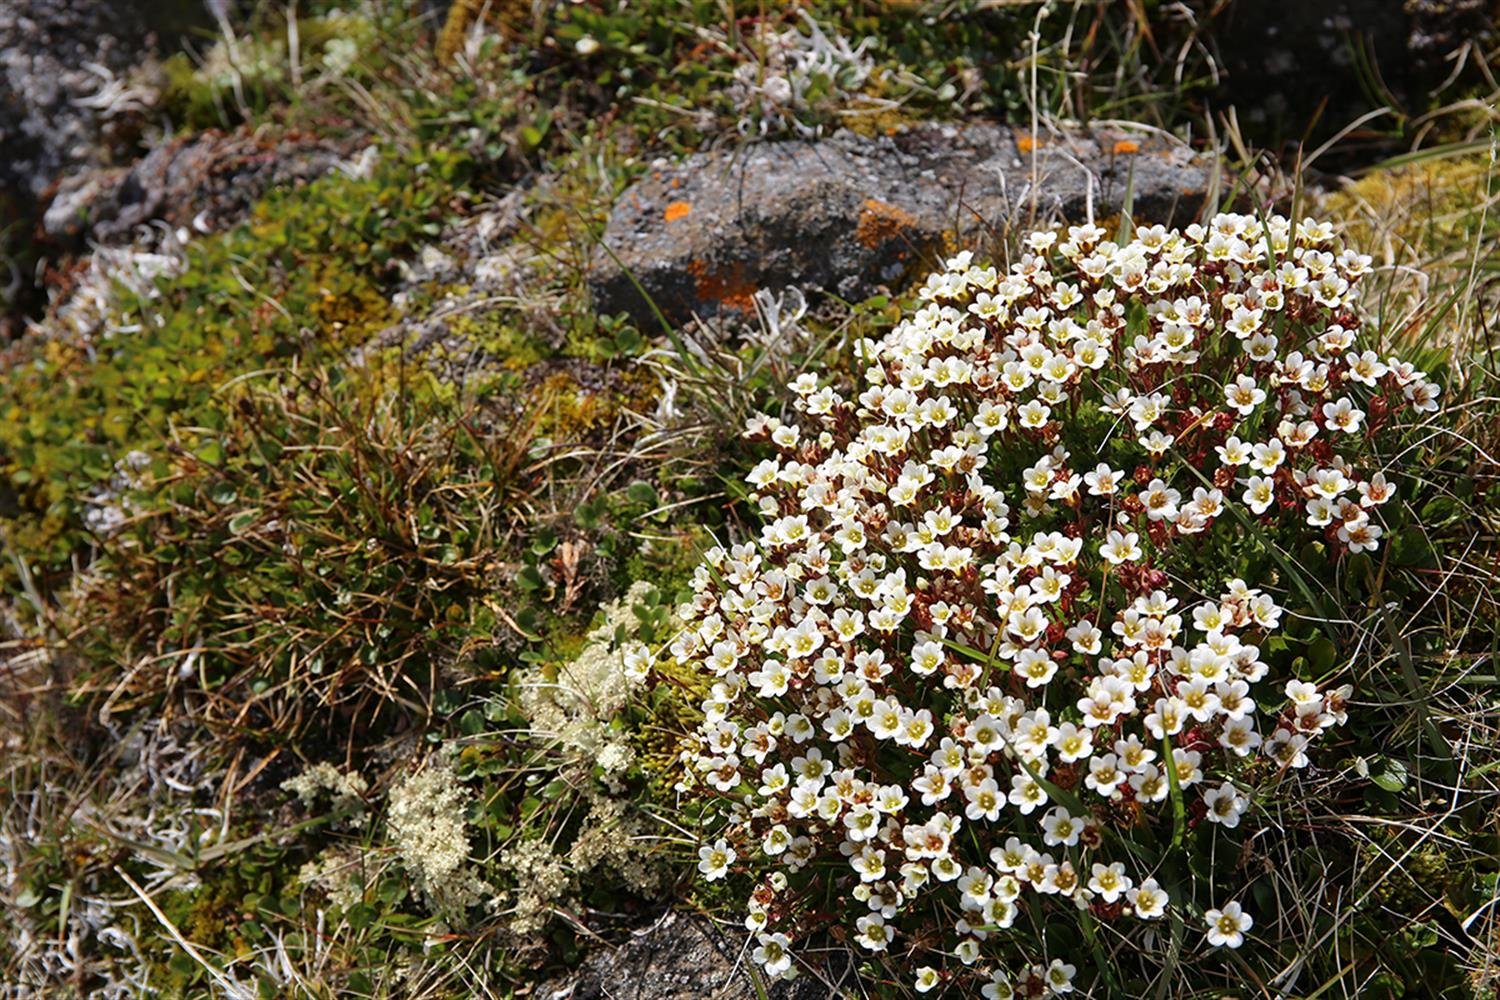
(953, 669)
(346, 788)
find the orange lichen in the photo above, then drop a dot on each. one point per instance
(1126, 147)
(731, 287)
(1026, 143)
(879, 222)
(677, 210)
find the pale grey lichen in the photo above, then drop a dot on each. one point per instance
(575, 710)
(426, 823)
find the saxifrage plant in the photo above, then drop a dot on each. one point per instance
(992, 668)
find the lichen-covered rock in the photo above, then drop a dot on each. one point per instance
(64, 83)
(454, 301)
(206, 182)
(682, 957)
(1282, 51)
(851, 215)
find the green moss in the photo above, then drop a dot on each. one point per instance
(1428, 205)
(498, 336)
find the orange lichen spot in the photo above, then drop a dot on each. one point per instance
(1026, 143)
(879, 222)
(732, 288)
(1125, 147)
(677, 210)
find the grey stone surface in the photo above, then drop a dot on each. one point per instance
(851, 215)
(683, 957)
(65, 88)
(207, 182)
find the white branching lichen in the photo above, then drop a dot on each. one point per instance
(425, 822)
(346, 790)
(575, 710)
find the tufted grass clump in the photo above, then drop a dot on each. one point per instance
(323, 557)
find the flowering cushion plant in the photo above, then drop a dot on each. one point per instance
(985, 646)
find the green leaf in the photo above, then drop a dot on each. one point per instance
(641, 493)
(211, 452)
(1388, 774)
(544, 542)
(1321, 654)
(1179, 809)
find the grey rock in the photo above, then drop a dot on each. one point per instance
(1300, 71)
(852, 215)
(64, 88)
(206, 182)
(683, 957)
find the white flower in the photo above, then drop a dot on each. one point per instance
(1224, 805)
(1149, 784)
(998, 988)
(772, 954)
(1109, 882)
(1233, 451)
(1360, 537)
(1342, 415)
(1104, 774)
(1266, 457)
(1025, 794)
(1148, 900)
(1259, 494)
(1240, 737)
(1102, 481)
(873, 934)
(1227, 927)
(1036, 666)
(1243, 395)
(714, 860)
(1061, 829)
(1059, 976)
(1423, 396)
(1120, 547)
